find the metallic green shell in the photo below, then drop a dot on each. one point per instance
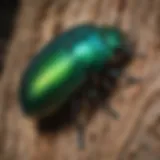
(62, 66)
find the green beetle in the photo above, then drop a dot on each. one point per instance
(64, 64)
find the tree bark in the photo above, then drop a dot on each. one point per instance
(135, 136)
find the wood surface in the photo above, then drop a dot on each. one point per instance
(136, 135)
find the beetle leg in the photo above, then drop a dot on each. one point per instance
(107, 108)
(111, 111)
(79, 123)
(129, 79)
(92, 89)
(132, 80)
(80, 126)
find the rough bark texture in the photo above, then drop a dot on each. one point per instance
(136, 135)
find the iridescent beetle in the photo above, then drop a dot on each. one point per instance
(64, 64)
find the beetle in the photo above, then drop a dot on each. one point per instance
(63, 65)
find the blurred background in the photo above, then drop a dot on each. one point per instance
(8, 10)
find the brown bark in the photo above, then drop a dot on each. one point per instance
(135, 136)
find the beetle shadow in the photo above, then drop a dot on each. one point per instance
(64, 119)
(57, 121)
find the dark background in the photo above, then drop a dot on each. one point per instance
(8, 10)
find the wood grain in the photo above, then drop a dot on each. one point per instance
(133, 136)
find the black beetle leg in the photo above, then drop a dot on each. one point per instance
(92, 90)
(129, 79)
(111, 111)
(101, 96)
(132, 80)
(79, 122)
(80, 126)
